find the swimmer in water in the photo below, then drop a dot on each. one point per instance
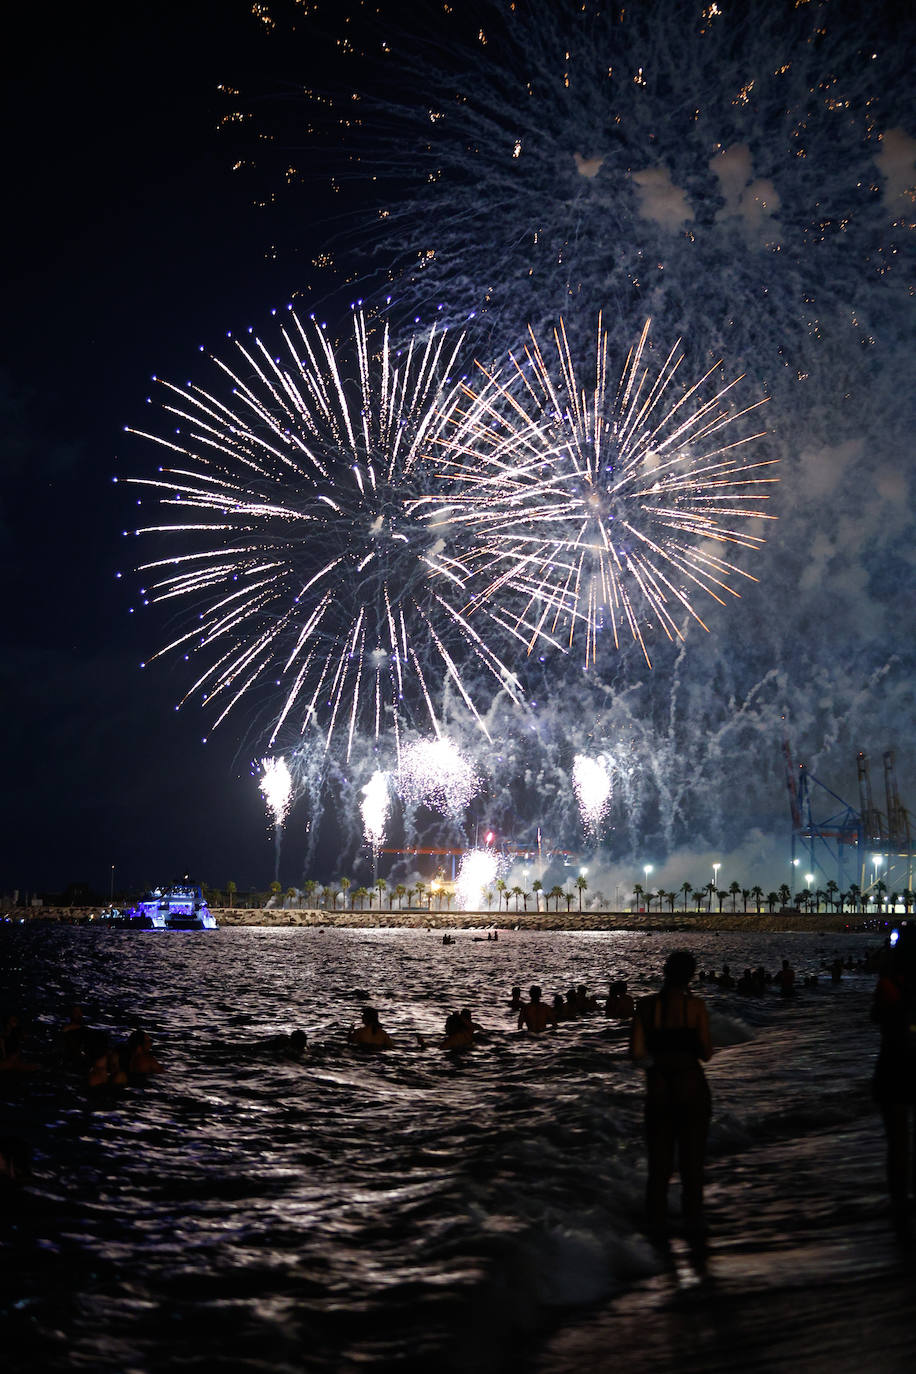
(370, 1034)
(535, 1016)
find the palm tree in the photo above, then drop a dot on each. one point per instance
(500, 889)
(699, 898)
(784, 894)
(537, 888)
(419, 888)
(734, 888)
(772, 899)
(333, 894)
(344, 889)
(855, 893)
(569, 901)
(757, 894)
(831, 892)
(308, 887)
(745, 893)
(362, 893)
(370, 894)
(381, 885)
(556, 892)
(291, 893)
(516, 893)
(687, 889)
(399, 892)
(819, 896)
(907, 896)
(275, 889)
(231, 890)
(880, 889)
(487, 894)
(637, 893)
(581, 884)
(672, 898)
(721, 894)
(326, 895)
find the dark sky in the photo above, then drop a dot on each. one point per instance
(129, 242)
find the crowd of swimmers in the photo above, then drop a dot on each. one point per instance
(87, 1050)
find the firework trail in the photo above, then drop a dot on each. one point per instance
(289, 496)
(603, 506)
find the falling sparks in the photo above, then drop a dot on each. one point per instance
(592, 785)
(603, 508)
(276, 787)
(374, 808)
(434, 774)
(289, 495)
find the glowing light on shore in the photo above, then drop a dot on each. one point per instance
(592, 786)
(477, 874)
(374, 808)
(434, 773)
(276, 787)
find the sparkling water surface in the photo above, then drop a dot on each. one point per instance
(413, 1209)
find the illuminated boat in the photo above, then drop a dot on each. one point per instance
(179, 907)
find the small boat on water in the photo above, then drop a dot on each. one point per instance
(179, 907)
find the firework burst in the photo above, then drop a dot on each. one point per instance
(434, 773)
(602, 508)
(291, 495)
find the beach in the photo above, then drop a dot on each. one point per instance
(420, 1210)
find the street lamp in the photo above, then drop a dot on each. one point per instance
(111, 890)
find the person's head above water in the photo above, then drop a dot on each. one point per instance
(680, 966)
(370, 1016)
(535, 993)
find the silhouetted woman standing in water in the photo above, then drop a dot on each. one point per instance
(670, 1036)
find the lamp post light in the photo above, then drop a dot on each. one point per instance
(111, 889)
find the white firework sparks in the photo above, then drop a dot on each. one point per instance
(477, 874)
(602, 508)
(276, 787)
(374, 808)
(592, 785)
(433, 773)
(298, 543)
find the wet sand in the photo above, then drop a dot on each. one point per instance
(838, 1297)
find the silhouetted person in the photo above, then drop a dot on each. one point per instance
(534, 1015)
(670, 1036)
(894, 1083)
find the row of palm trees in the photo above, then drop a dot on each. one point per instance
(687, 896)
(828, 899)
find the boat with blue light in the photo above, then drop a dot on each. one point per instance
(179, 907)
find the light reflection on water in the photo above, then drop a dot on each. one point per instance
(361, 1210)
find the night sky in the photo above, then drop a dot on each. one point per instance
(130, 242)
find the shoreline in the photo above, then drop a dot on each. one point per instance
(517, 923)
(827, 923)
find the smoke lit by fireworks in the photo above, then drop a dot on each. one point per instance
(288, 499)
(604, 505)
(592, 784)
(374, 808)
(276, 787)
(434, 774)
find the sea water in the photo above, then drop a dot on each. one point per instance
(415, 1209)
